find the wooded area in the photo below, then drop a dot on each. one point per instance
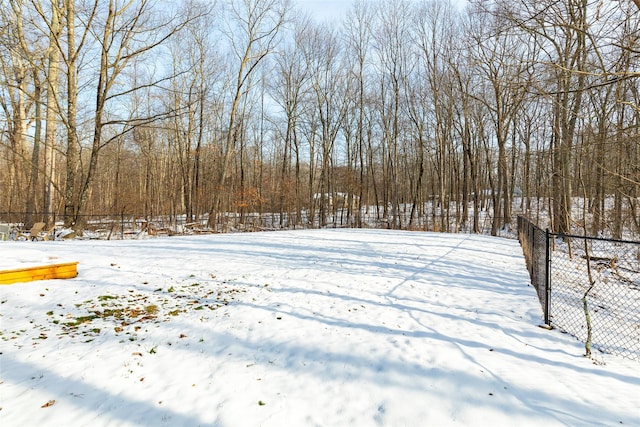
(408, 109)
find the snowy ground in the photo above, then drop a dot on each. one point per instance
(300, 328)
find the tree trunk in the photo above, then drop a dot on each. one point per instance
(52, 114)
(70, 203)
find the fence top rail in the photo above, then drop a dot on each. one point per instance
(575, 236)
(599, 239)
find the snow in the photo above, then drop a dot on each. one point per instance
(295, 328)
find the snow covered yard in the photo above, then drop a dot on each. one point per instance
(296, 328)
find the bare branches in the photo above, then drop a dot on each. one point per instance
(422, 112)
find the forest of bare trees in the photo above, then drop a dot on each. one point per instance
(413, 111)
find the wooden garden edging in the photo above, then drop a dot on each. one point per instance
(66, 270)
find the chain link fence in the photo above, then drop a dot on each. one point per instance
(534, 242)
(589, 287)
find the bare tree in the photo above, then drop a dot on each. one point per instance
(290, 87)
(500, 55)
(390, 45)
(327, 79)
(253, 32)
(126, 34)
(358, 28)
(561, 28)
(71, 59)
(21, 56)
(194, 69)
(53, 86)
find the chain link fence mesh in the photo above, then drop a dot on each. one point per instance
(588, 287)
(597, 281)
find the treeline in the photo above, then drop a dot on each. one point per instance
(404, 108)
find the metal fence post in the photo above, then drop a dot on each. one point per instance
(547, 278)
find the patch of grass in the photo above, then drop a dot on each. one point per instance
(151, 309)
(118, 313)
(128, 312)
(81, 320)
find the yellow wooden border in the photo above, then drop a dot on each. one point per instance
(65, 270)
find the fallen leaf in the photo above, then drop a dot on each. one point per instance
(49, 403)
